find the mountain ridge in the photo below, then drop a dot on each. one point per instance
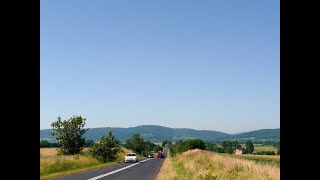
(160, 133)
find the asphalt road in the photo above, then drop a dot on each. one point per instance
(144, 169)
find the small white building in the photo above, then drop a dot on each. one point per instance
(239, 151)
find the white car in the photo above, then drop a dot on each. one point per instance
(131, 157)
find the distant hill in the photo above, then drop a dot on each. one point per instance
(148, 132)
(257, 135)
(160, 133)
(261, 134)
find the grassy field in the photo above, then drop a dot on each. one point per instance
(46, 152)
(200, 164)
(259, 147)
(260, 159)
(53, 165)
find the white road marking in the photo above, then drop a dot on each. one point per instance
(118, 170)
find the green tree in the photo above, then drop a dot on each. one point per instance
(230, 146)
(89, 143)
(185, 145)
(197, 144)
(157, 148)
(164, 143)
(106, 149)
(249, 147)
(211, 146)
(45, 143)
(69, 134)
(136, 143)
(220, 150)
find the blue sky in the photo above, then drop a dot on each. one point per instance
(207, 65)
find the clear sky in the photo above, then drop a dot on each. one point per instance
(205, 65)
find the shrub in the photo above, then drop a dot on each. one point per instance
(106, 149)
(264, 153)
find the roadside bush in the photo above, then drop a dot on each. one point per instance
(220, 150)
(44, 143)
(182, 146)
(264, 153)
(138, 145)
(106, 149)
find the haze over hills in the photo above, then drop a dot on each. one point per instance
(267, 134)
(160, 133)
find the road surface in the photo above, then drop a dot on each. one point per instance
(144, 169)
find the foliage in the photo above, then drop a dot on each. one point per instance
(185, 145)
(277, 145)
(197, 144)
(220, 150)
(230, 146)
(69, 134)
(88, 143)
(138, 145)
(106, 149)
(265, 153)
(249, 146)
(45, 143)
(211, 146)
(164, 143)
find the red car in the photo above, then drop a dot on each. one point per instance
(160, 155)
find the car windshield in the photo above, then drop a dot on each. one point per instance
(131, 155)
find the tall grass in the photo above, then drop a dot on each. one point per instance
(261, 159)
(45, 152)
(201, 164)
(166, 172)
(52, 165)
(264, 148)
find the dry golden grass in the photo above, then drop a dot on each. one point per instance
(53, 165)
(260, 147)
(261, 159)
(166, 171)
(264, 148)
(48, 152)
(277, 157)
(201, 164)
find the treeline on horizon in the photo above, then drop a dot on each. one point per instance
(211, 144)
(180, 146)
(224, 146)
(70, 140)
